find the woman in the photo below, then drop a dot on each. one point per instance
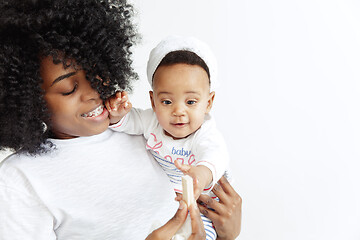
(60, 61)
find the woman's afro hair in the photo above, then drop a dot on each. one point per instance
(97, 34)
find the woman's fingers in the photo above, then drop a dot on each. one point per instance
(207, 212)
(225, 214)
(220, 193)
(224, 183)
(197, 226)
(210, 207)
(232, 197)
(172, 226)
(224, 191)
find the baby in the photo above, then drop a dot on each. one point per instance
(180, 133)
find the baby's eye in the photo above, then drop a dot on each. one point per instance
(72, 91)
(191, 102)
(166, 102)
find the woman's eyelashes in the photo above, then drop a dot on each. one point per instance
(72, 91)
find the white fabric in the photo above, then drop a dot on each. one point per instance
(100, 187)
(204, 147)
(175, 43)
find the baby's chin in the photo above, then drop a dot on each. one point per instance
(176, 136)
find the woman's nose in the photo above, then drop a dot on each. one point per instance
(88, 93)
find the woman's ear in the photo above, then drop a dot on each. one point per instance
(210, 101)
(152, 100)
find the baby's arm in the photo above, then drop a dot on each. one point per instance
(202, 176)
(118, 106)
(211, 157)
(125, 118)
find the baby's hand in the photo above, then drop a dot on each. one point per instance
(202, 176)
(118, 106)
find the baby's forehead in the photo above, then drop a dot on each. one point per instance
(185, 73)
(181, 79)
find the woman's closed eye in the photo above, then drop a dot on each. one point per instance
(72, 91)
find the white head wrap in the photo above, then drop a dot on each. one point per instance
(175, 43)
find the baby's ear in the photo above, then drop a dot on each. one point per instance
(152, 100)
(210, 101)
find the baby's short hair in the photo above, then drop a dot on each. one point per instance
(184, 56)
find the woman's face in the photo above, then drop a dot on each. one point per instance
(76, 108)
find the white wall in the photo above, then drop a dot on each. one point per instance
(288, 106)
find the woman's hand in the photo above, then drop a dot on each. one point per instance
(226, 215)
(118, 106)
(174, 224)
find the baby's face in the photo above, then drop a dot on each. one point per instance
(76, 108)
(181, 98)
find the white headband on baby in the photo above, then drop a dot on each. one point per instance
(191, 44)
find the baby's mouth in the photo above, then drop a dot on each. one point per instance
(179, 124)
(94, 113)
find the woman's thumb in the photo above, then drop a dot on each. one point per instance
(178, 219)
(173, 225)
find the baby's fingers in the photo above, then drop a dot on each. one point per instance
(108, 104)
(120, 100)
(123, 95)
(117, 102)
(111, 103)
(182, 167)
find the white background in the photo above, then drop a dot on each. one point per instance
(288, 106)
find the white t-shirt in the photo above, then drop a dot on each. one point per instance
(204, 147)
(100, 187)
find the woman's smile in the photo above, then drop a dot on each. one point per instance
(94, 113)
(98, 114)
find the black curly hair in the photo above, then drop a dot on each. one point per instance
(184, 56)
(97, 34)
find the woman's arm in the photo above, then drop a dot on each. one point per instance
(173, 225)
(226, 214)
(23, 217)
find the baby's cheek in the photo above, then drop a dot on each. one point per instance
(162, 119)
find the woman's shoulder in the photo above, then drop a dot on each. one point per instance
(124, 138)
(11, 172)
(14, 159)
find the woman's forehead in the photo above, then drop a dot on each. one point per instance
(50, 72)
